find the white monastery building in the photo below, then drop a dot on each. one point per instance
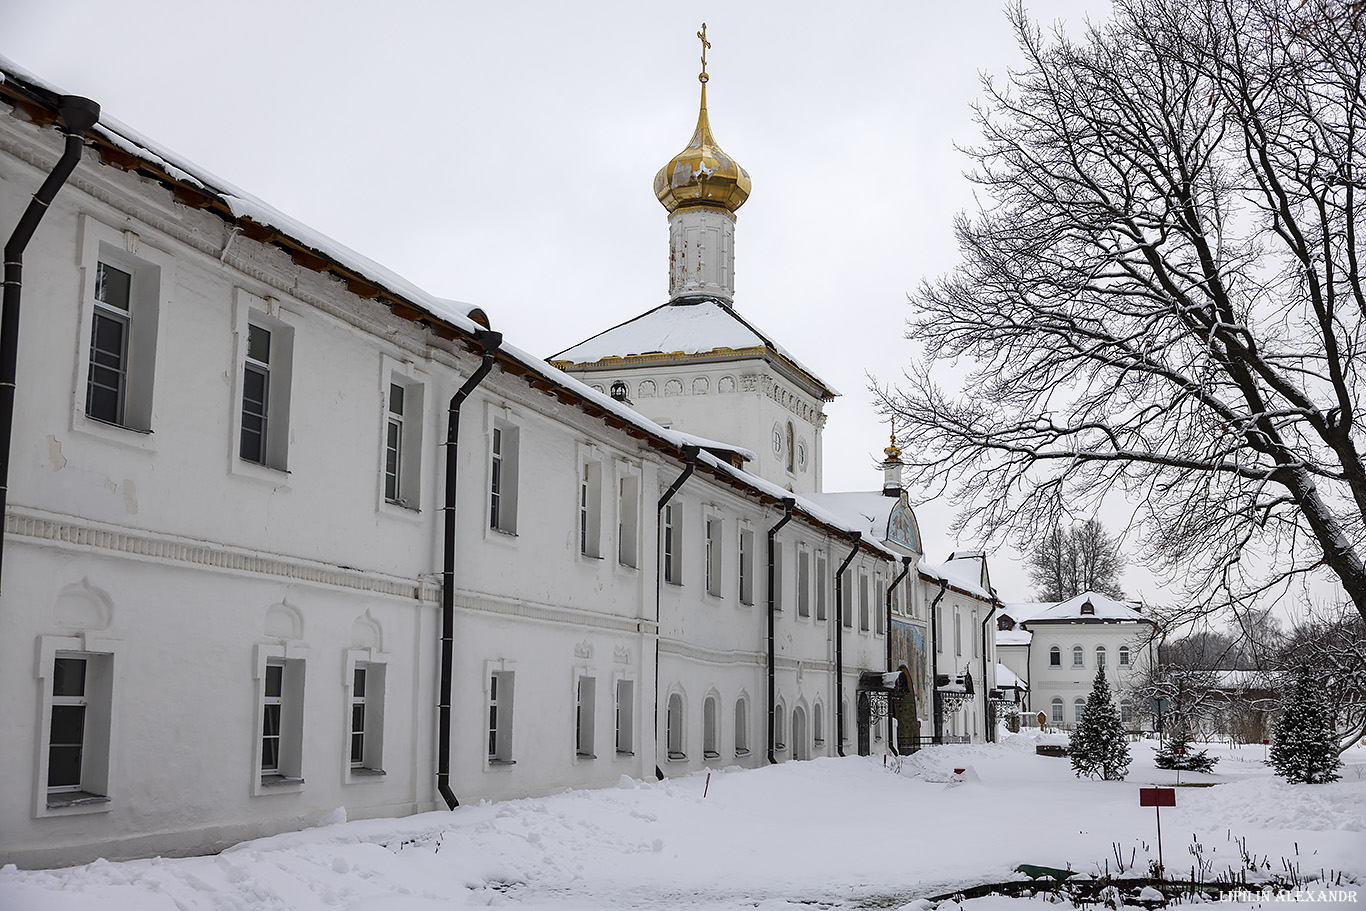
(284, 533)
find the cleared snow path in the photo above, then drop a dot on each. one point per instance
(797, 834)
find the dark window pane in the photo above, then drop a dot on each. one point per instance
(65, 743)
(258, 344)
(68, 677)
(108, 365)
(396, 398)
(64, 767)
(270, 738)
(357, 748)
(112, 286)
(254, 396)
(358, 683)
(275, 674)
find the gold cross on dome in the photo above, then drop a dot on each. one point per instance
(702, 35)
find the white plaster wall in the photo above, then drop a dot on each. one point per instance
(1071, 683)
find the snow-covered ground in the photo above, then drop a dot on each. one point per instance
(831, 833)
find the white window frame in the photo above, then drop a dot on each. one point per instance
(408, 503)
(818, 725)
(624, 718)
(803, 582)
(376, 666)
(850, 596)
(745, 565)
(287, 777)
(268, 313)
(589, 502)
(628, 516)
(1125, 656)
(1055, 652)
(711, 726)
(1078, 709)
(1101, 656)
(150, 300)
(777, 575)
(504, 463)
(499, 713)
(879, 606)
(1056, 709)
(1078, 656)
(99, 731)
(676, 727)
(742, 722)
(585, 714)
(957, 631)
(822, 587)
(671, 542)
(713, 548)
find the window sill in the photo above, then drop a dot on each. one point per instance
(242, 468)
(624, 754)
(402, 504)
(585, 756)
(673, 582)
(367, 774)
(62, 800)
(502, 763)
(585, 556)
(675, 756)
(121, 434)
(280, 781)
(710, 754)
(742, 752)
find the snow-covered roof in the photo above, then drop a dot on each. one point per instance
(1102, 608)
(1013, 637)
(1006, 677)
(963, 572)
(326, 254)
(694, 326)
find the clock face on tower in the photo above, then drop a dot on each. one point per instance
(777, 440)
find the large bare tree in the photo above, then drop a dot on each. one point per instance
(1069, 561)
(1162, 294)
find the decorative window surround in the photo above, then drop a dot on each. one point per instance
(99, 732)
(287, 775)
(375, 665)
(264, 314)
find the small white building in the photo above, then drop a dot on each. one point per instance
(1054, 648)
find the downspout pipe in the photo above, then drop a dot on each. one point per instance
(690, 453)
(839, 646)
(988, 722)
(488, 342)
(78, 115)
(937, 705)
(788, 503)
(891, 596)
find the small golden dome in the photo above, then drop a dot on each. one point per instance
(893, 452)
(702, 174)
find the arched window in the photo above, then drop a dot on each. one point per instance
(1124, 656)
(818, 724)
(845, 723)
(1078, 656)
(791, 449)
(1078, 709)
(675, 745)
(710, 729)
(799, 747)
(1057, 710)
(778, 742)
(1055, 657)
(1126, 711)
(1100, 656)
(741, 727)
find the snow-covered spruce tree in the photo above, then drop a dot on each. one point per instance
(1099, 745)
(1177, 754)
(1304, 747)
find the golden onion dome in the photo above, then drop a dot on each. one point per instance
(702, 174)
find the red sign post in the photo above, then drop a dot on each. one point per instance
(1157, 798)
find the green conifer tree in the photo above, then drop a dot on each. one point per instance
(1304, 745)
(1099, 746)
(1177, 754)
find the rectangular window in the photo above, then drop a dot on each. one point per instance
(282, 691)
(367, 718)
(976, 639)
(503, 448)
(939, 644)
(803, 583)
(500, 716)
(863, 608)
(626, 744)
(673, 544)
(123, 305)
(628, 521)
(78, 701)
(777, 575)
(746, 561)
(107, 382)
(879, 607)
(403, 443)
(713, 552)
(267, 364)
(584, 702)
(590, 510)
(822, 586)
(957, 632)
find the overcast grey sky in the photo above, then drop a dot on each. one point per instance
(503, 153)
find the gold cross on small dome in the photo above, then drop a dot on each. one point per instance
(702, 35)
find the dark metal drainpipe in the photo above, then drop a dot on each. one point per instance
(988, 722)
(690, 453)
(78, 115)
(488, 341)
(936, 705)
(839, 647)
(788, 503)
(891, 594)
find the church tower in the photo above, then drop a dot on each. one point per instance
(694, 364)
(701, 187)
